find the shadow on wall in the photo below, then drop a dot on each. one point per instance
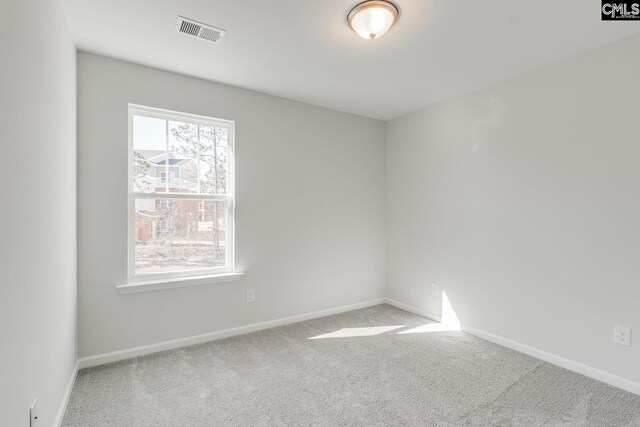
(448, 322)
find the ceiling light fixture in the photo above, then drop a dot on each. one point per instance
(371, 19)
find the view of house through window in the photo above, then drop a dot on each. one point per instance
(181, 197)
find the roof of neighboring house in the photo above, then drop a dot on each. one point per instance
(174, 160)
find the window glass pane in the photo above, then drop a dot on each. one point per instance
(183, 157)
(179, 157)
(214, 159)
(198, 153)
(149, 154)
(174, 235)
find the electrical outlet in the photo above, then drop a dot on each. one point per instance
(435, 289)
(251, 295)
(33, 414)
(622, 335)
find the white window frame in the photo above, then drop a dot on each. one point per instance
(150, 280)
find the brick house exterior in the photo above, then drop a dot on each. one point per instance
(178, 219)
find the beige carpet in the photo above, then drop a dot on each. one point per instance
(368, 367)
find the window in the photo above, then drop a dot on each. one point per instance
(201, 210)
(163, 177)
(165, 204)
(180, 194)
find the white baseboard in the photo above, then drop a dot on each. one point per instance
(67, 394)
(412, 309)
(571, 365)
(115, 356)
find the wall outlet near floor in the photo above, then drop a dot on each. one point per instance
(251, 295)
(33, 414)
(622, 335)
(435, 289)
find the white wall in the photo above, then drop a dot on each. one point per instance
(309, 217)
(522, 201)
(38, 210)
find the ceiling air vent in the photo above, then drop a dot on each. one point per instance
(199, 30)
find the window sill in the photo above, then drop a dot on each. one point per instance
(182, 282)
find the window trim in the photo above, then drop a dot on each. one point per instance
(180, 278)
(164, 283)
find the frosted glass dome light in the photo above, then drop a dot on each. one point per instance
(372, 19)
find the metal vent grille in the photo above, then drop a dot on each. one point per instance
(210, 34)
(199, 30)
(190, 28)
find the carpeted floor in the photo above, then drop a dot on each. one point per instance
(375, 366)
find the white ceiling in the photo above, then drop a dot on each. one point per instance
(303, 49)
